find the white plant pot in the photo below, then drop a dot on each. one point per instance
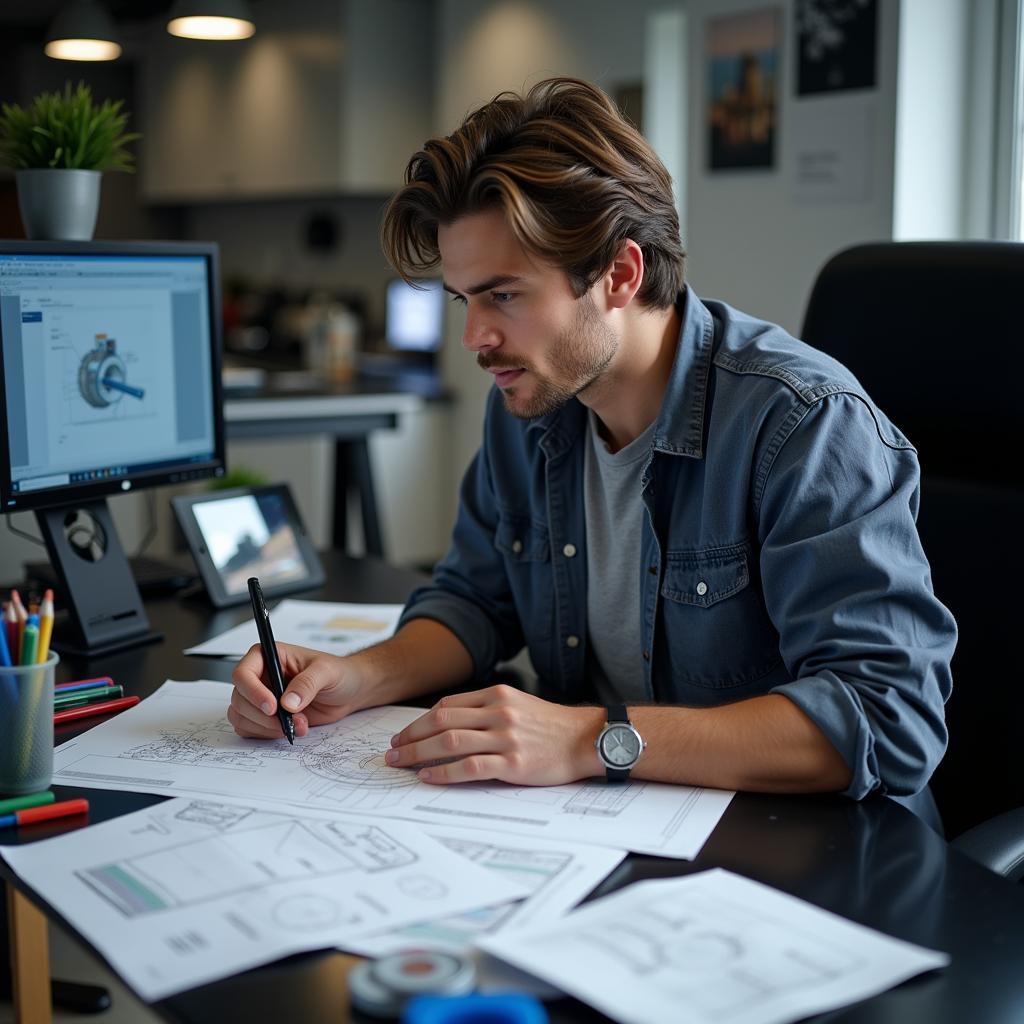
(58, 204)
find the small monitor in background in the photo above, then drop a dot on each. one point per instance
(235, 534)
(414, 316)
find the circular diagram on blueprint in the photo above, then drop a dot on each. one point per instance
(355, 765)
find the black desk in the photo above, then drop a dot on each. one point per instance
(872, 862)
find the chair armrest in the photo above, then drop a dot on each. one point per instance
(997, 843)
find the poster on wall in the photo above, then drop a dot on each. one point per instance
(837, 45)
(743, 63)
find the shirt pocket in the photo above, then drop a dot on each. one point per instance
(526, 549)
(715, 624)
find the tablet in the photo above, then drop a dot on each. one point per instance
(248, 531)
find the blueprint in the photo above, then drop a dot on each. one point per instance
(711, 948)
(178, 741)
(557, 875)
(189, 891)
(321, 625)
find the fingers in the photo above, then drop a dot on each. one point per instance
(250, 722)
(320, 674)
(459, 711)
(478, 768)
(248, 680)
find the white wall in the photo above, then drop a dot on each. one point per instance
(485, 46)
(751, 243)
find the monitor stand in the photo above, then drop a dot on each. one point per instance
(104, 606)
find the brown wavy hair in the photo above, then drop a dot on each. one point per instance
(574, 178)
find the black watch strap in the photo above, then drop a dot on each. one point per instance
(618, 713)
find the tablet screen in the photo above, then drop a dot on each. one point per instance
(250, 535)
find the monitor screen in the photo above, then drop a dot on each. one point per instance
(110, 369)
(414, 316)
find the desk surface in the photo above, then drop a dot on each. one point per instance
(872, 862)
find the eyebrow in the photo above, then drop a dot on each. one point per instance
(485, 286)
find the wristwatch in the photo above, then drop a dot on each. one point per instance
(619, 745)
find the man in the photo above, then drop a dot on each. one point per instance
(675, 507)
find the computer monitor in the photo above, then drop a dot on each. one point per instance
(414, 316)
(110, 368)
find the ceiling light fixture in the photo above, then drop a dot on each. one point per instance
(211, 19)
(82, 30)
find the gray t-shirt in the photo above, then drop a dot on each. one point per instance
(614, 520)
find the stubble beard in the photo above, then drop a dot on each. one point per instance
(580, 355)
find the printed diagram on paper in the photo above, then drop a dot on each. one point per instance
(556, 874)
(711, 948)
(322, 625)
(191, 890)
(178, 741)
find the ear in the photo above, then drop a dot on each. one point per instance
(622, 280)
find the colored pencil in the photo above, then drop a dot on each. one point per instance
(45, 625)
(103, 708)
(84, 684)
(74, 700)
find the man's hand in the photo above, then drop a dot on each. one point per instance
(326, 687)
(501, 733)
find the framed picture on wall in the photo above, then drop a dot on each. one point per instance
(837, 45)
(742, 111)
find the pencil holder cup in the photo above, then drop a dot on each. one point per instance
(26, 726)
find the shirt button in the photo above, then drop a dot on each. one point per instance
(702, 588)
(647, 655)
(572, 641)
(653, 570)
(517, 546)
(569, 550)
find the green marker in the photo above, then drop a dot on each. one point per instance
(21, 803)
(82, 697)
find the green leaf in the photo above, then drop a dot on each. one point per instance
(66, 129)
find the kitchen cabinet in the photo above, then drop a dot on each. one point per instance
(326, 98)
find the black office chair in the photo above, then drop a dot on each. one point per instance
(933, 330)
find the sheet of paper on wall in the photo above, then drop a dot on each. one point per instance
(711, 948)
(188, 891)
(321, 625)
(557, 875)
(178, 741)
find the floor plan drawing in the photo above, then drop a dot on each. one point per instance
(710, 948)
(193, 889)
(178, 741)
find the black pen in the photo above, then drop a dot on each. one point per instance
(270, 658)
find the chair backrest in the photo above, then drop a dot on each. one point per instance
(934, 332)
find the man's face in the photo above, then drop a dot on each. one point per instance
(523, 321)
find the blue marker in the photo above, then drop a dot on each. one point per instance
(5, 651)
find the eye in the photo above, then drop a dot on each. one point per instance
(502, 297)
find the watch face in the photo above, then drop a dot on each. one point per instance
(620, 746)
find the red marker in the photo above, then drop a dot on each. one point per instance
(33, 814)
(103, 708)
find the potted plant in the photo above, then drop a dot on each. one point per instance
(59, 146)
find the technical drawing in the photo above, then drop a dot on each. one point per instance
(423, 887)
(600, 798)
(102, 376)
(250, 849)
(724, 968)
(210, 744)
(355, 762)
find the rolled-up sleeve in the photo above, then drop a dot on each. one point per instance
(848, 587)
(470, 592)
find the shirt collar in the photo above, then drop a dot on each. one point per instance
(680, 424)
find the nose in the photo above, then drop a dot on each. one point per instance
(479, 334)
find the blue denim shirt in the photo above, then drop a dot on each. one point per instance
(780, 551)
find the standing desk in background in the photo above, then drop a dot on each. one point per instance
(294, 405)
(872, 862)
